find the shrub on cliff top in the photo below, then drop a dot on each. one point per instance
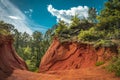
(90, 35)
(104, 43)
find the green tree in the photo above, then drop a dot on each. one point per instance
(92, 13)
(60, 27)
(37, 38)
(6, 29)
(110, 15)
(75, 21)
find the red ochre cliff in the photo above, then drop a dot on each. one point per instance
(66, 61)
(9, 60)
(73, 55)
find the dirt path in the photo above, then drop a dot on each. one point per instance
(78, 74)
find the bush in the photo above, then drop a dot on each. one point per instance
(90, 35)
(31, 65)
(5, 28)
(114, 66)
(61, 26)
(113, 33)
(104, 43)
(116, 34)
(3, 32)
(98, 63)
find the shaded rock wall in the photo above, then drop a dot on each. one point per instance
(9, 60)
(72, 55)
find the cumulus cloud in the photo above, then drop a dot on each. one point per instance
(11, 14)
(66, 15)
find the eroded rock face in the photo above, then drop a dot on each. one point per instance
(9, 60)
(71, 55)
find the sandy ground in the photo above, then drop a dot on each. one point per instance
(78, 74)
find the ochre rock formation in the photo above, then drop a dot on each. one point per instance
(60, 58)
(9, 60)
(73, 55)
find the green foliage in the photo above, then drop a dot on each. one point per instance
(3, 32)
(37, 36)
(32, 47)
(110, 15)
(85, 35)
(5, 28)
(98, 63)
(113, 33)
(90, 35)
(75, 21)
(92, 13)
(114, 66)
(104, 43)
(60, 27)
(31, 65)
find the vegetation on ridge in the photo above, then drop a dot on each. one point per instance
(95, 28)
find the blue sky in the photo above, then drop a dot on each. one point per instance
(30, 15)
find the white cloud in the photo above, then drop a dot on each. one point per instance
(29, 12)
(11, 14)
(66, 14)
(14, 17)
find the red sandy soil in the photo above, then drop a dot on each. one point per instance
(75, 74)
